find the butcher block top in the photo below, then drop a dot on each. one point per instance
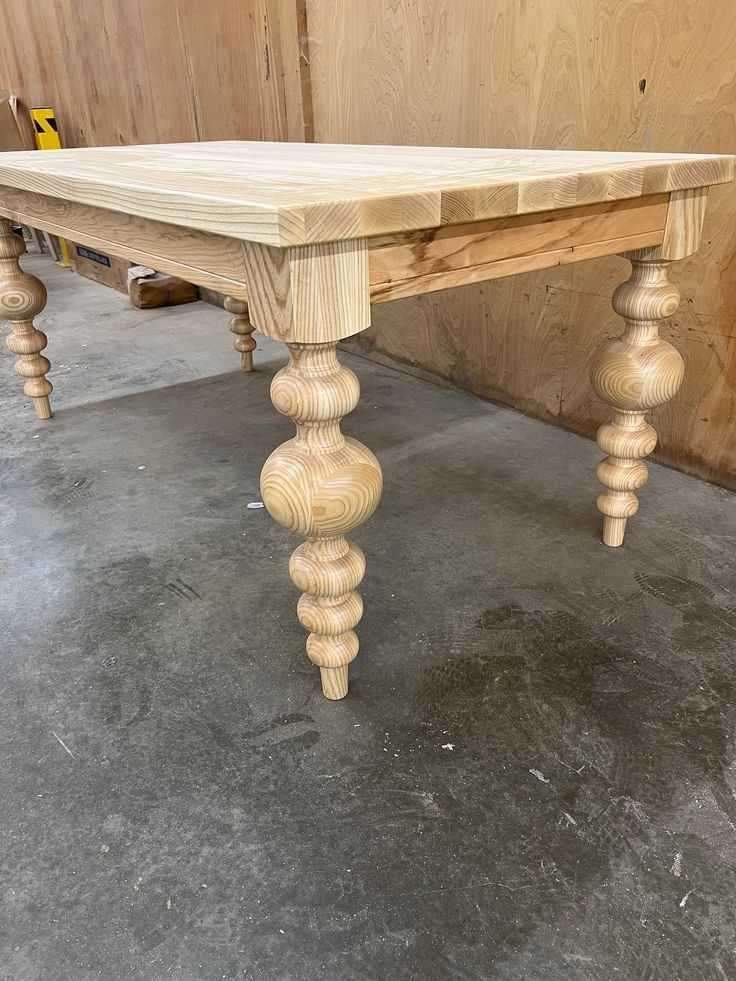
(285, 194)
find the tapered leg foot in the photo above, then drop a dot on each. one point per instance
(614, 530)
(634, 373)
(243, 329)
(334, 682)
(322, 485)
(43, 407)
(22, 297)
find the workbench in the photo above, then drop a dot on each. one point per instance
(309, 236)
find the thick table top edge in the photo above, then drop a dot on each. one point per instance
(311, 214)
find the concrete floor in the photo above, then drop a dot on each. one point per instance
(533, 777)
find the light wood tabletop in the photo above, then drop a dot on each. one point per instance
(302, 238)
(298, 193)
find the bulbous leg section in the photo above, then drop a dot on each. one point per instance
(22, 297)
(633, 373)
(322, 485)
(243, 329)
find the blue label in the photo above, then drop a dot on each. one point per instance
(94, 256)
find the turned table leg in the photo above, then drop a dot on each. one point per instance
(322, 485)
(243, 329)
(22, 297)
(634, 373)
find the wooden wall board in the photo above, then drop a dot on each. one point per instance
(623, 74)
(152, 71)
(651, 75)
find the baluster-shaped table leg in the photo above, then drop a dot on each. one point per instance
(634, 373)
(243, 329)
(322, 485)
(22, 297)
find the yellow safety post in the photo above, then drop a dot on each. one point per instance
(47, 138)
(45, 129)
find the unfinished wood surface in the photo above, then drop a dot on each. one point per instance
(399, 265)
(151, 71)
(319, 484)
(633, 374)
(23, 297)
(294, 193)
(684, 225)
(308, 294)
(500, 268)
(322, 485)
(621, 74)
(212, 261)
(243, 329)
(457, 255)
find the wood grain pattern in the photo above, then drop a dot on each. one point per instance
(636, 75)
(22, 297)
(319, 484)
(684, 225)
(285, 194)
(633, 374)
(308, 294)
(152, 71)
(212, 261)
(500, 268)
(399, 265)
(322, 485)
(457, 255)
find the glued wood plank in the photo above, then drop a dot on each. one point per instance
(293, 193)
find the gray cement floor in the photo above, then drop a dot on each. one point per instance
(533, 777)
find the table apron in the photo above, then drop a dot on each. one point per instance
(202, 258)
(457, 255)
(400, 265)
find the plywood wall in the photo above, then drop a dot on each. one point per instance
(651, 75)
(154, 71)
(609, 74)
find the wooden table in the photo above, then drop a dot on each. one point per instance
(311, 235)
